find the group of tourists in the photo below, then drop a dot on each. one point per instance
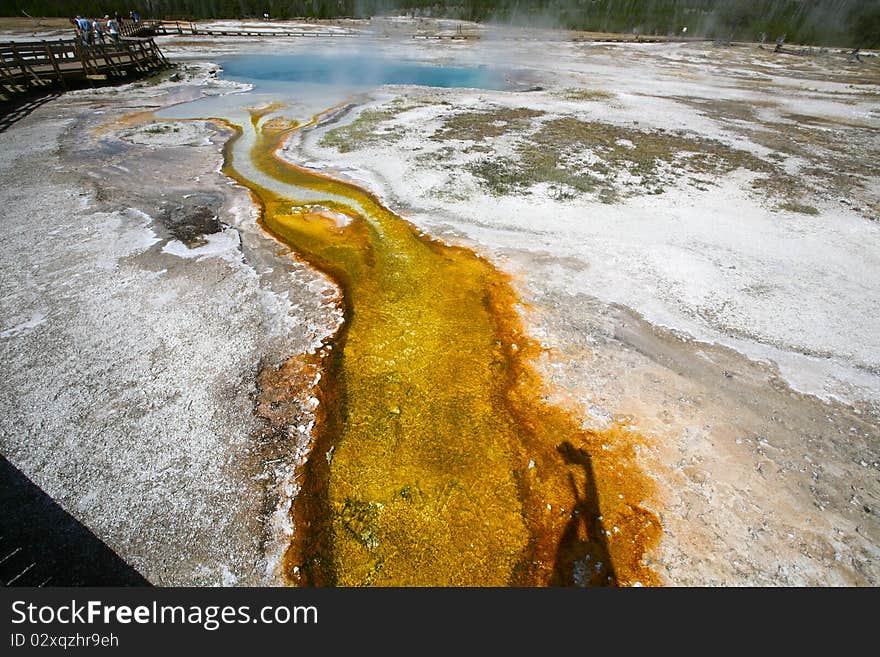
(94, 30)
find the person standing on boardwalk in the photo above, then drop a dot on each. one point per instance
(83, 29)
(98, 30)
(779, 43)
(112, 29)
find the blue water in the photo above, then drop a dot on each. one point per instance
(356, 71)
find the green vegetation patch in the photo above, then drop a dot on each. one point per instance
(838, 161)
(161, 129)
(609, 162)
(476, 126)
(368, 128)
(801, 208)
(579, 94)
(725, 109)
(576, 156)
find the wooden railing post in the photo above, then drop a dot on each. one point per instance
(84, 55)
(158, 53)
(55, 64)
(108, 59)
(77, 50)
(142, 56)
(25, 69)
(8, 80)
(131, 56)
(63, 48)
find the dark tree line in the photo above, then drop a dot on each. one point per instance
(821, 22)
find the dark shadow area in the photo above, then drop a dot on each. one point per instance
(582, 555)
(43, 545)
(19, 106)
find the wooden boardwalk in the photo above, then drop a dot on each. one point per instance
(190, 28)
(181, 28)
(68, 63)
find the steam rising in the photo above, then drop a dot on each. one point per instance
(820, 22)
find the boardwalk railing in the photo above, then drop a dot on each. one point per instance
(188, 27)
(68, 62)
(139, 28)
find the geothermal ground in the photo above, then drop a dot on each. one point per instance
(691, 232)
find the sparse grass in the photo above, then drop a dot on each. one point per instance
(841, 180)
(725, 109)
(579, 94)
(837, 159)
(476, 126)
(608, 162)
(362, 132)
(800, 208)
(590, 157)
(834, 149)
(161, 129)
(800, 135)
(820, 121)
(779, 184)
(501, 176)
(436, 157)
(366, 130)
